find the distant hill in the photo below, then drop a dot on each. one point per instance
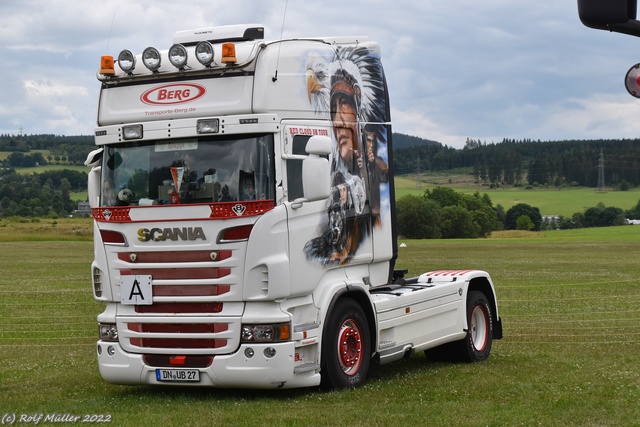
(522, 162)
(401, 140)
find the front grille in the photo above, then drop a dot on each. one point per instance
(180, 307)
(178, 343)
(191, 290)
(174, 256)
(179, 328)
(179, 273)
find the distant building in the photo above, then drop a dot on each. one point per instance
(84, 209)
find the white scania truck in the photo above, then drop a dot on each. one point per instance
(242, 193)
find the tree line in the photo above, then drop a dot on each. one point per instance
(528, 162)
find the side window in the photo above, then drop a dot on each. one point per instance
(294, 168)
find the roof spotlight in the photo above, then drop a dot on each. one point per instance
(151, 58)
(127, 61)
(178, 56)
(204, 53)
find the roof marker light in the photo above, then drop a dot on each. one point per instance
(107, 66)
(127, 61)
(204, 53)
(208, 126)
(131, 132)
(178, 56)
(229, 53)
(151, 58)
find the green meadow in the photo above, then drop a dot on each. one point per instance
(569, 300)
(53, 165)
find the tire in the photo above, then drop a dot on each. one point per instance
(346, 346)
(476, 345)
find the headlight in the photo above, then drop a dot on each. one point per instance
(108, 332)
(266, 333)
(151, 58)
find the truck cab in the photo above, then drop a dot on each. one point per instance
(242, 193)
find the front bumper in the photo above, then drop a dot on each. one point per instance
(227, 371)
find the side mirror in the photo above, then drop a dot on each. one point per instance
(320, 145)
(315, 169)
(94, 157)
(610, 15)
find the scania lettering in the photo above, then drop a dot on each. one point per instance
(175, 233)
(247, 239)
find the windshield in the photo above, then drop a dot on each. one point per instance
(184, 171)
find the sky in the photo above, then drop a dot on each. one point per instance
(456, 69)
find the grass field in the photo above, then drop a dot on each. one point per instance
(550, 201)
(570, 303)
(42, 169)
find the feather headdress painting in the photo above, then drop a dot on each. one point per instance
(350, 87)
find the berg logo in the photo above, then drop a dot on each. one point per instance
(172, 94)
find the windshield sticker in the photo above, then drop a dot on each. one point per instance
(162, 147)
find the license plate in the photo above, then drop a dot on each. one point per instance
(136, 290)
(178, 375)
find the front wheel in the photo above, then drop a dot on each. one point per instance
(346, 346)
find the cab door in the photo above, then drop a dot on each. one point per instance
(323, 234)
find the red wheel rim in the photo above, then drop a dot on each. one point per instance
(479, 328)
(350, 347)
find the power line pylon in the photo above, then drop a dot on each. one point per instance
(601, 172)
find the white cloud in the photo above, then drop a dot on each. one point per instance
(53, 91)
(597, 116)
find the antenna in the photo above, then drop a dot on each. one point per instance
(110, 30)
(284, 15)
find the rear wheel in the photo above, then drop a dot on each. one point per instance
(346, 346)
(476, 345)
